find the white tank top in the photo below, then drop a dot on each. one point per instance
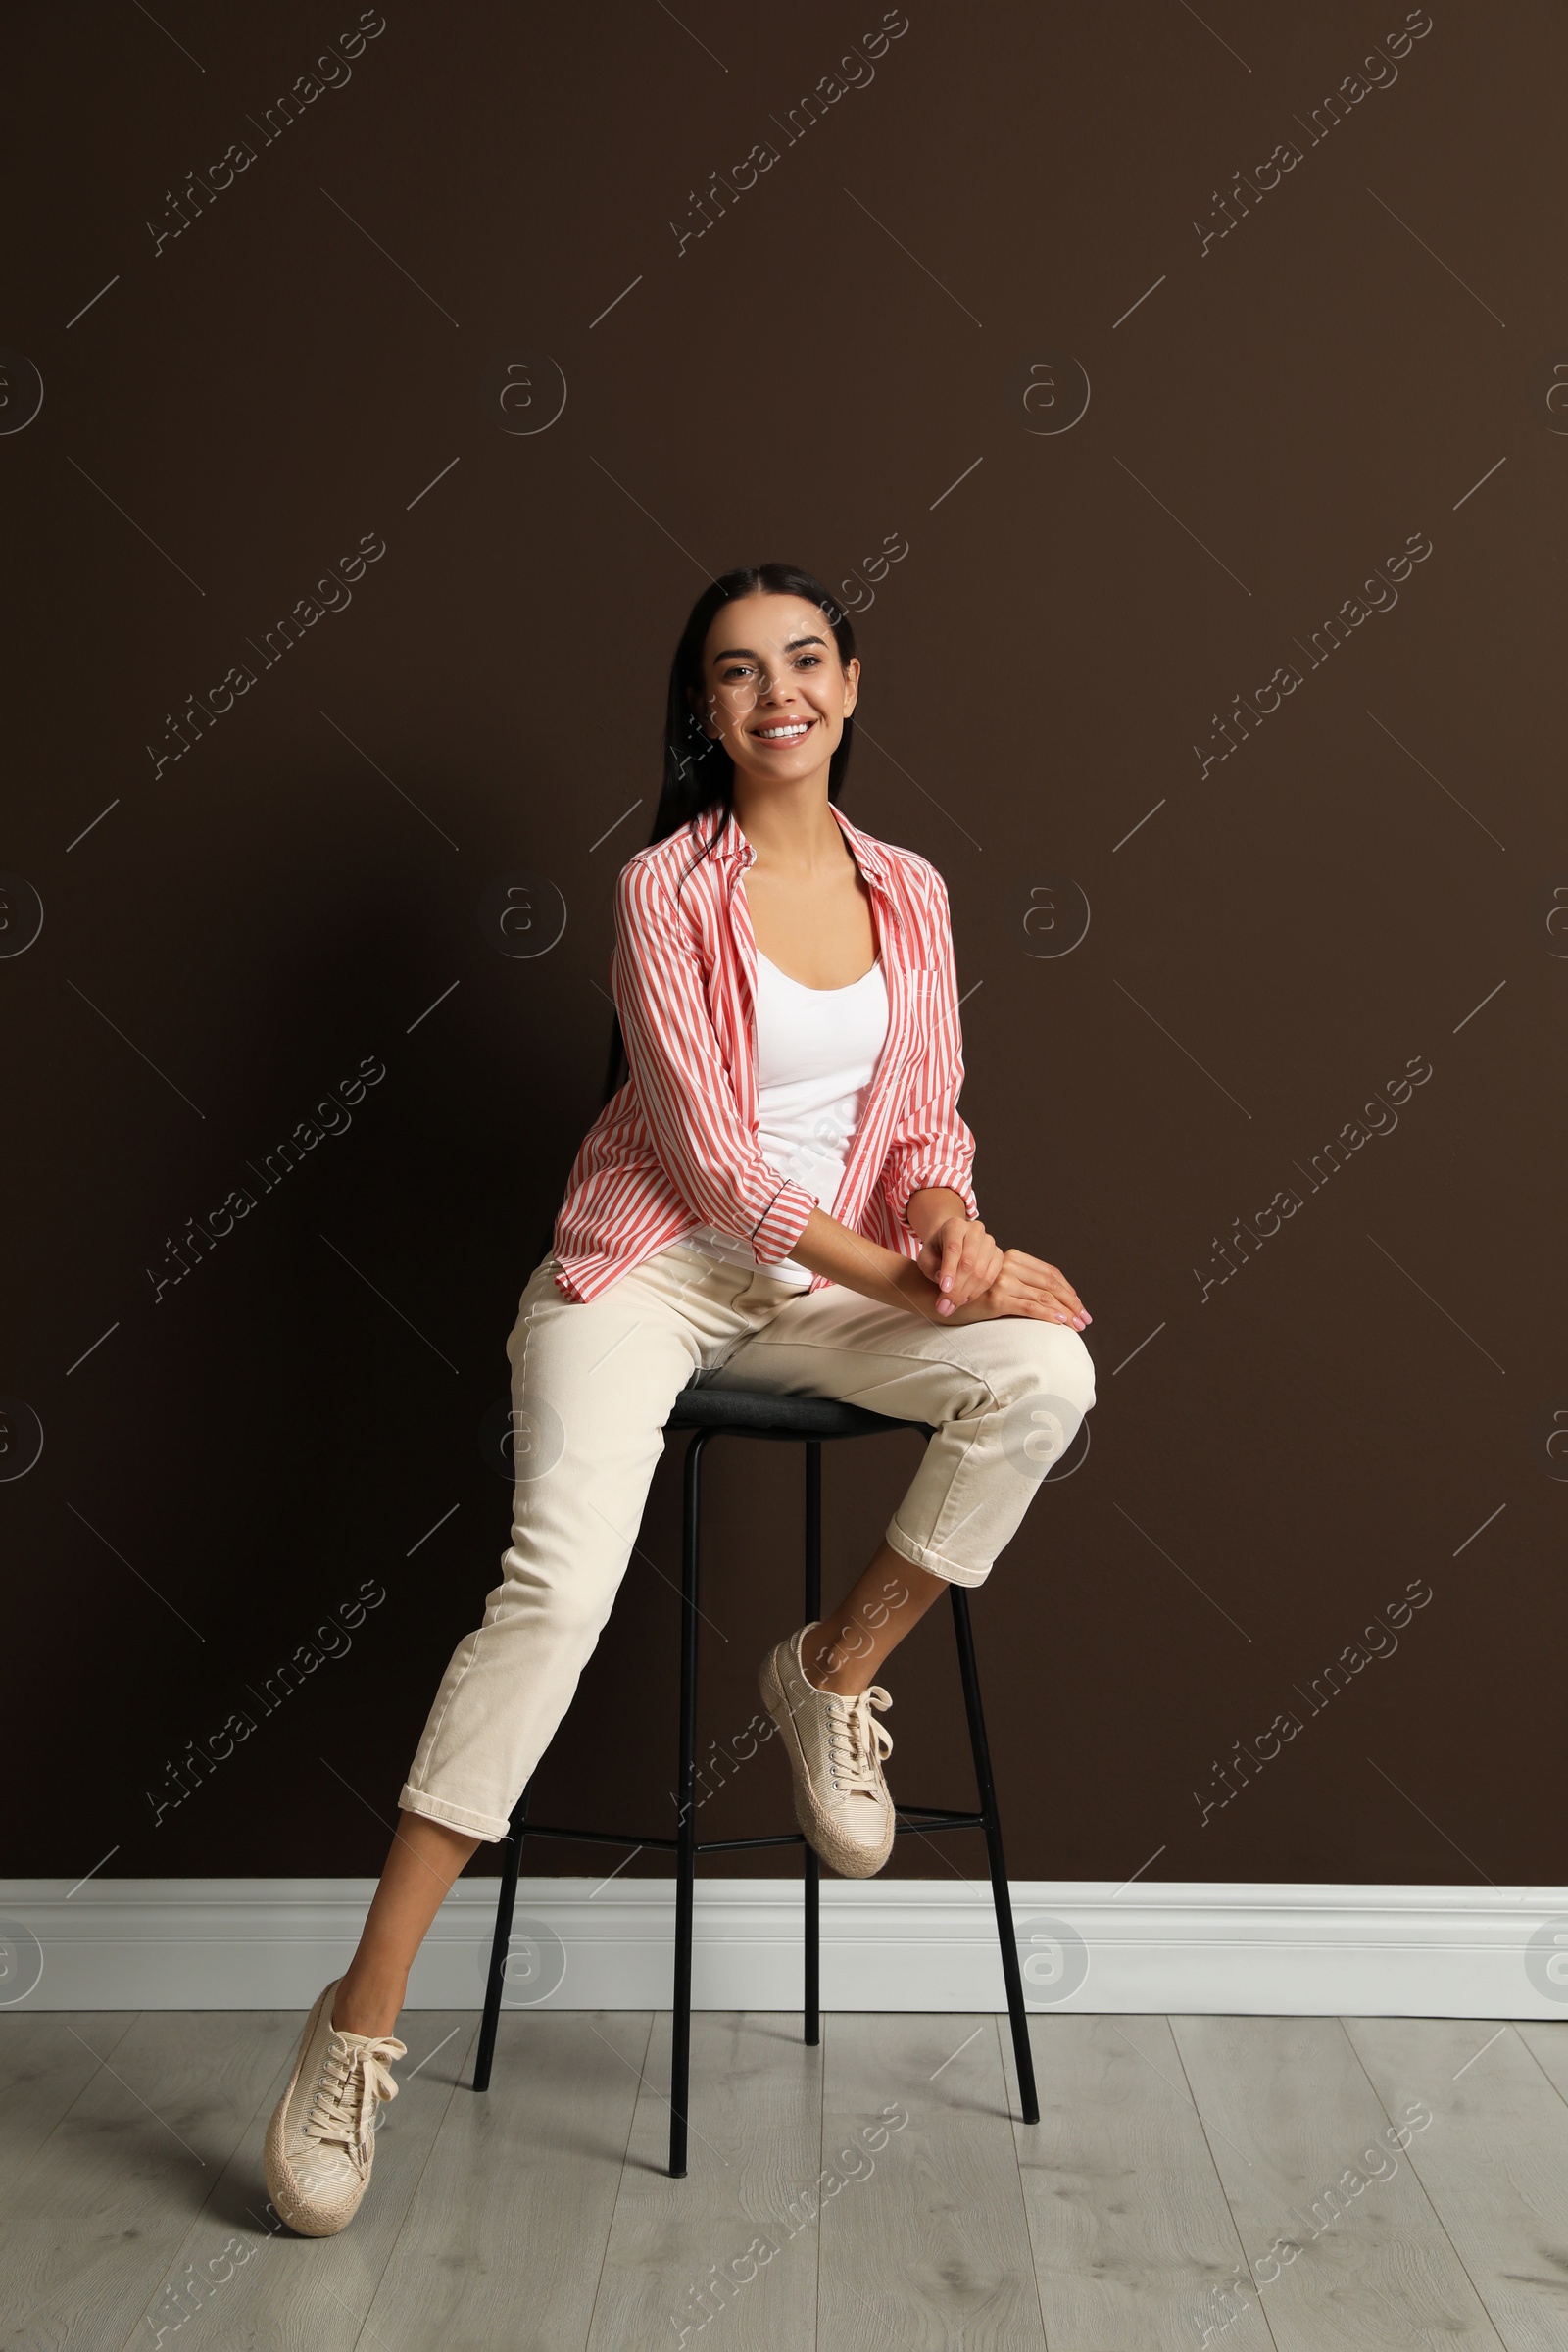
(816, 1048)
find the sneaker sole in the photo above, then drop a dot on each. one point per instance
(848, 1860)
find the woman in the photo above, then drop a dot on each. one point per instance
(778, 1195)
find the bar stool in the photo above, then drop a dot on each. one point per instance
(712, 1411)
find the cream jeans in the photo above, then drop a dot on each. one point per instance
(592, 1386)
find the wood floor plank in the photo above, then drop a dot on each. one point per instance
(506, 2234)
(925, 2242)
(46, 2062)
(1134, 2241)
(87, 2229)
(1295, 2124)
(1549, 2046)
(717, 2248)
(239, 2277)
(1494, 2159)
(874, 2195)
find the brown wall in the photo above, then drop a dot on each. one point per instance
(878, 316)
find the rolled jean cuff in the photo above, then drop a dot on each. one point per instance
(920, 1556)
(455, 1817)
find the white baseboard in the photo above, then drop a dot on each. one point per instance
(918, 1945)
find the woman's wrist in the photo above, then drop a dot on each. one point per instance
(828, 1247)
(917, 1293)
(929, 1210)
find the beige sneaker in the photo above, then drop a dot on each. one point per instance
(835, 1746)
(321, 2140)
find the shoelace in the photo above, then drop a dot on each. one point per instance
(858, 1744)
(356, 2076)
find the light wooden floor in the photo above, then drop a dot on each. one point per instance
(1171, 2156)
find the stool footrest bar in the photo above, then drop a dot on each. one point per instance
(731, 1845)
(927, 1817)
(910, 1817)
(603, 1837)
(935, 1829)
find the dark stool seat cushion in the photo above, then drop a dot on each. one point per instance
(710, 1405)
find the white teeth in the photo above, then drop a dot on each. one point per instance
(778, 734)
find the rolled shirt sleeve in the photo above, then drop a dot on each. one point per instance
(931, 1145)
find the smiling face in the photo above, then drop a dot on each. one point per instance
(775, 693)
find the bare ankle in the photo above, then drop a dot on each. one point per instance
(848, 1677)
(370, 2007)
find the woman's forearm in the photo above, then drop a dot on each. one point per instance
(828, 1247)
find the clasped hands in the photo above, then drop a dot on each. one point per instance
(978, 1281)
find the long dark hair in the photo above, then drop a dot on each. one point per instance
(699, 774)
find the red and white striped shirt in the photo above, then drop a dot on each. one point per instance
(677, 1147)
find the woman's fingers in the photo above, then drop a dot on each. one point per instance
(953, 1240)
(1029, 1281)
(982, 1264)
(980, 1280)
(1051, 1303)
(1047, 1309)
(969, 1262)
(1039, 1274)
(1044, 1306)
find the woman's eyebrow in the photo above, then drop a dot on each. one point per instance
(730, 653)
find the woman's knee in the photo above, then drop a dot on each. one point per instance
(1070, 1366)
(1043, 1393)
(567, 1600)
(1034, 1360)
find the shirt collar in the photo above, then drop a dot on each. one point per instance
(869, 856)
(735, 850)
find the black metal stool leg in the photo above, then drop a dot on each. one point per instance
(1013, 1976)
(813, 1868)
(496, 1980)
(680, 2037)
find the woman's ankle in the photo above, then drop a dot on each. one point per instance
(845, 1679)
(367, 2006)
